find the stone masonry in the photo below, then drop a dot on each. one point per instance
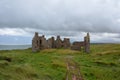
(82, 45)
(40, 43)
(58, 42)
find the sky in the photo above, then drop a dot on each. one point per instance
(19, 19)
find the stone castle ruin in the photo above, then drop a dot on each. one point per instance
(40, 43)
(82, 44)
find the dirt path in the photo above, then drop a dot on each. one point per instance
(73, 71)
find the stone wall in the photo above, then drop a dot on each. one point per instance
(43, 42)
(51, 42)
(58, 42)
(35, 42)
(40, 42)
(66, 43)
(77, 45)
(87, 43)
(83, 44)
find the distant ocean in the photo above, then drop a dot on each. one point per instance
(13, 47)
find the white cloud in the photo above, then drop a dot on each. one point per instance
(118, 20)
(13, 32)
(105, 37)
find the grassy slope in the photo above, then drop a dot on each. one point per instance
(103, 63)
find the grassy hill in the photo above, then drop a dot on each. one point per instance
(103, 63)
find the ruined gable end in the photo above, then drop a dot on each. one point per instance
(58, 42)
(87, 43)
(66, 43)
(35, 42)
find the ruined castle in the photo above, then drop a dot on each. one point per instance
(40, 43)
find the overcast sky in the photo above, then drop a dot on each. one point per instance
(19, 19)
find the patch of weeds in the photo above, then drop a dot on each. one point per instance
(6, 58)
(58, 63)
(3, 63)
(100, 63)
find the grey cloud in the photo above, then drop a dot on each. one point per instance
(65, 17)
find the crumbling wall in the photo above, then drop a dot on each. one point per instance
(66, 43)
(51, 42)
(40, 42)
(85, 44)
(77, 45)
(58, 42)
(35, 42)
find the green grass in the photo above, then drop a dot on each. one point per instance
(103, 63)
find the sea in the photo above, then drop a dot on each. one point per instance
(14, 47)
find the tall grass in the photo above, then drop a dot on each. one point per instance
(103, 63)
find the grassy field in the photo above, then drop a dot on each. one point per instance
(103, 63)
